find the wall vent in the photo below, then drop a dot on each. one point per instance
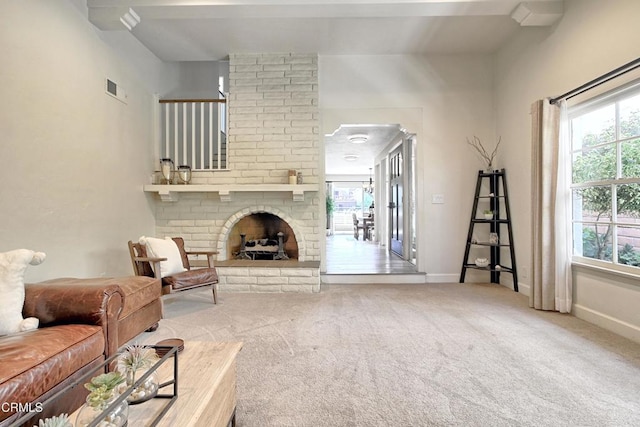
(115, 91)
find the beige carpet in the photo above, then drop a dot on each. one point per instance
(413, 355)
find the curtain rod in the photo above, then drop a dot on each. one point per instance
(598, 81)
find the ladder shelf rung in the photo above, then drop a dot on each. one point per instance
(488, 244)
(501, 270)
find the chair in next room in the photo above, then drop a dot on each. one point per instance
(357, 227)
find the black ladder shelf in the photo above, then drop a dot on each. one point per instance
(497, 198)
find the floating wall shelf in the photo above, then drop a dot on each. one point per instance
(171, 193)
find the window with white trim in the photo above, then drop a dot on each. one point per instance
(605, 146)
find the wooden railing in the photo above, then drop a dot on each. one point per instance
(194, 132)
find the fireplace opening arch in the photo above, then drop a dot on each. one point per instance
(251, 217)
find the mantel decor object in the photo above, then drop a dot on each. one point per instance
(184, 173)
(166, 168)
(293, 176)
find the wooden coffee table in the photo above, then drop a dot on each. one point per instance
(206, 388)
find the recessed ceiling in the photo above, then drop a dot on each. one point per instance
(206, 30)
(338, 146)
(209, 30)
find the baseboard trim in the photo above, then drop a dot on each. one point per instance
(358, 279)
(607, 322)
(443, 278)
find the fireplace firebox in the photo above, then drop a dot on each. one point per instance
(262, 236)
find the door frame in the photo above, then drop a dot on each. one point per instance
(409, 214)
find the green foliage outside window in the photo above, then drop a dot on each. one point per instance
(600, 163)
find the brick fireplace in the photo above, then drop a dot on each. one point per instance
(273, 128)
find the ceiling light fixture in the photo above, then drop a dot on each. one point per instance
(350, 157)
(358, 139)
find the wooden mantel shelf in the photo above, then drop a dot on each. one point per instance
(170, 193)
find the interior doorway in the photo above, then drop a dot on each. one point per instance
(364, 234)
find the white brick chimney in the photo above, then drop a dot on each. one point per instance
(273, 127)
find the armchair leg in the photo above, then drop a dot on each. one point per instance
(215, 293)
(152, 328)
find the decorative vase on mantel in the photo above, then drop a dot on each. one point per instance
(166, 168)
(184, 172)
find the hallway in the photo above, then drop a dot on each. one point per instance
(346, 255)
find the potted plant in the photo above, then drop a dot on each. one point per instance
(61, 420)
(103, 393)
(488, 214)
(330, 208)
(134, 361)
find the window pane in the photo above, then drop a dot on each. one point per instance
(592, 204)
(593, 128)
(596, 241)
(628, 203)
(595, 165)
(629, 246)
(631, 159)
(630, 117)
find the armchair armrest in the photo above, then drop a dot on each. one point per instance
(155, 262)
(148, 259)
(202, 252)
(208, 254)
(87, 301)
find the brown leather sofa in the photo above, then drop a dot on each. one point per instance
(82, 322)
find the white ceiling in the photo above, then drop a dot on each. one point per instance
(208, 30)
(337, 146)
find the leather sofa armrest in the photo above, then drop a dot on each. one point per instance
(86, 301)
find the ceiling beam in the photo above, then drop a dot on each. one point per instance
(106, 14)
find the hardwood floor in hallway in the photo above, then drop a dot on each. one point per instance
(346, 255)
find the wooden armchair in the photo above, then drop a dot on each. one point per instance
(357, 227)
(189, 279)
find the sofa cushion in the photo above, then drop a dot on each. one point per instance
(191, 278)
(33, 362)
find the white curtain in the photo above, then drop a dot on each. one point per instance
(551, 282)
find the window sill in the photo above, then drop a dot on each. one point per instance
(605, 270)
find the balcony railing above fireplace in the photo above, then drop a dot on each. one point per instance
(194, 132)
(171, 193)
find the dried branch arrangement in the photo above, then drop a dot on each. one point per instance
(477, 144)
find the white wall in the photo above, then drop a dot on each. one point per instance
(73, 158)
(592, 38)
(197, 80)
(444, 100)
